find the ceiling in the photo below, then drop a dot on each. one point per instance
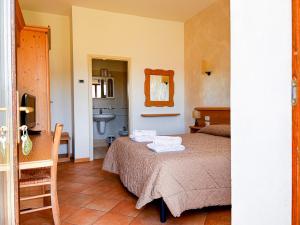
(178, 10)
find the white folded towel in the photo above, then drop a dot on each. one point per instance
(143, 135)
(167, 140)
(142, 138)
(165, 148)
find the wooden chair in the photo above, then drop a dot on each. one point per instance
(44, 177)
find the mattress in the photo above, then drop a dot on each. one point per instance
(194, 178)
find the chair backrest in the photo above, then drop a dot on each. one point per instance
(55, 147)
(56, 143)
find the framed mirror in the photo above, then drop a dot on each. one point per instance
(159, 88)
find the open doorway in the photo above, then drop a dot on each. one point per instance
(109, 103)
(201, 78)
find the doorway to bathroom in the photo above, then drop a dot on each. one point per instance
(109, 101)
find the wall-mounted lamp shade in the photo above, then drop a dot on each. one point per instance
(206, 67)
(196, 114)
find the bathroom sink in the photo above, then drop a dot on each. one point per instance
(104, 117)
(101, 120)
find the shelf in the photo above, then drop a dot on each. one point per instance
(160, 115)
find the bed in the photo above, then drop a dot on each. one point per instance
(194, 178)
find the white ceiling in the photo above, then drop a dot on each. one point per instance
(178, 10)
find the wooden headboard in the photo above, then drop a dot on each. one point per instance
(217, 115)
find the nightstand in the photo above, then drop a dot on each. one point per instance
(195, 129)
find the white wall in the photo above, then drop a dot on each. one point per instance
(261, 112)
(60, 65)
(147, 43)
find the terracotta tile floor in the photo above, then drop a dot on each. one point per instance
(89, 196)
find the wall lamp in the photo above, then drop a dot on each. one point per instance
(196, 115)
(206, 68)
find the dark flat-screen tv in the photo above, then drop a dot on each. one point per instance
(28, 119)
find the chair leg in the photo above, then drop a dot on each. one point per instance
(55, 208)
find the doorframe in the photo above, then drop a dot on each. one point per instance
(90, 101)
(296, 114)
(15, 104)
(11, 110)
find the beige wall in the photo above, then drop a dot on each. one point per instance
(146, 43)
(207, 37)
(60, 65)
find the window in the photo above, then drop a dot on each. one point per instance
(103, 87)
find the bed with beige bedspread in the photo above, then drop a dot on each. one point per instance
(194, 178)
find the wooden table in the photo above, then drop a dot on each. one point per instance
(40, 155)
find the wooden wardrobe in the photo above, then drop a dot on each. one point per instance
(33, 71)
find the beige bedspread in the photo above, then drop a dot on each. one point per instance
(195, 178)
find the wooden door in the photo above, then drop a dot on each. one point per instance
(33, 74)
(296, 116)
(8, 129)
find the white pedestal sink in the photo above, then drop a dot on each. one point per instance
(102, 119)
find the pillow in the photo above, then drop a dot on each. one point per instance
(217, 130)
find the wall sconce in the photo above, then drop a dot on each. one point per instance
(165, 79)
(196, 115)
(206, 68)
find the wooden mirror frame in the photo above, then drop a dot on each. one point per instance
(159, 72)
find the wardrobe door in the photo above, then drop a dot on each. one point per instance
(33, 74)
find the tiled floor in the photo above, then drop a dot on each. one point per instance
(90, 196)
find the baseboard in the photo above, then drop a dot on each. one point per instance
(80, 160)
